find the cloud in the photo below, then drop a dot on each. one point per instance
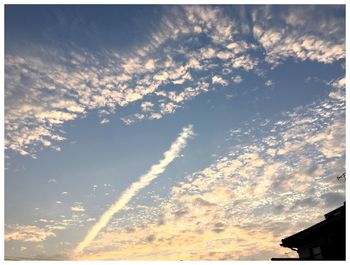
(339, 89)
(219, 80)
(243, 186)
(245, 62)
(333, 199)
(71, 88)
(208, 53)
(339, 83)
(150, 238)
(218, 207)
(291, 36)
(104, 121)
(219, 227)
(78, 208)
(307, 202)
(269, 83)
(150, 65)
(143, 181)
(43, 92)
(168, 107)
(147, 106)
(71, 85)
(26, 233)
(224, 55)
(237, 79)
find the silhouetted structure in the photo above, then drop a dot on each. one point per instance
(325, 240)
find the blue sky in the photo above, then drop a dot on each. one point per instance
(96, 95)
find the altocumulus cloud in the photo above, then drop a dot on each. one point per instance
(262, 182)
(46, 91)
(27, 233)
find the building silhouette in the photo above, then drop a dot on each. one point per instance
(322, 241)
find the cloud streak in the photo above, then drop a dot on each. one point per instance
(143, 181)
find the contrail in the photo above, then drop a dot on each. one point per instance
(135, 187)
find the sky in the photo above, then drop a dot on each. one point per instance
(158, 132)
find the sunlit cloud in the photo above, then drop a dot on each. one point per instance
(218, 207)
(135, 187)
(78, 208)
(71, 88)
(27, 233)
(257, 174)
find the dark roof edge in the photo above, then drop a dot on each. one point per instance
(332, 215)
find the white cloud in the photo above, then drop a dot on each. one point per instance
(155, 116)
(208, 53)
(26, 233)
(237, 79)
(56, 93)
(224, 55)
(339, 83)
(244, 187)
(168, 107)
(269, 83)
(69, 105)
(150, 65)
(147, 106)
(280, 46)
(104, 121)
(238, 47)
(244, 61)
(194, 64)
(219, 80)
(161, 76)
(339, 92)
(197, 29)
(132, 65)
(78, 208)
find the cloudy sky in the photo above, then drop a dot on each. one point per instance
(171, 132)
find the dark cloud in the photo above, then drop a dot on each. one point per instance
(160, 222)
(307, 202)
(180, 213)
(150, 238)
(202, 202)
(310, 170)
(219, 227)
(278, 209)
(130, 229)
(333, 199)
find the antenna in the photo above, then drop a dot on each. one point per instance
(342, 178)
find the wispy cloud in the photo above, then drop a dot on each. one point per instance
(143, 181)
